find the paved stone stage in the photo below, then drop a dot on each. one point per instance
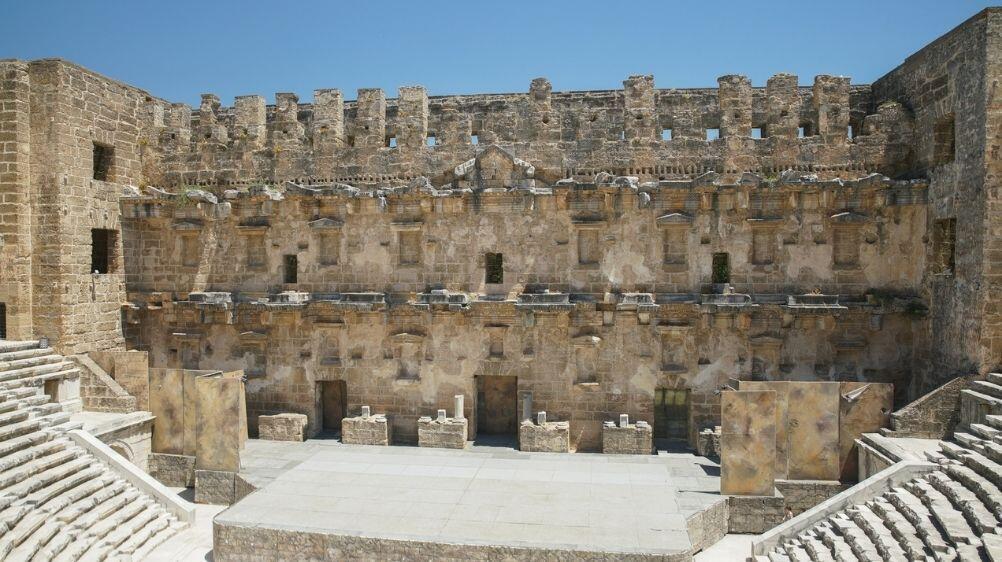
(321, 499)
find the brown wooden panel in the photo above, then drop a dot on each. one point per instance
(497, 401)
(333, 403)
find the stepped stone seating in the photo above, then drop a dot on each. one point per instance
(953, 512)
(57, 502)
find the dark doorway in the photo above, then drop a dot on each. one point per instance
(671, 413)
(103, 244)
(291, 269)
(494, 268)
(333, 404)
(721, 268)
(3, 321)
(497, 405)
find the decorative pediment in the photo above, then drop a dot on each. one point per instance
(326, 223)
(495, 168)
(674, 219)
(849, 217)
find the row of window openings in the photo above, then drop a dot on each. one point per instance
(430, 140)
(803, 131)
(494, 264)
(666, 134)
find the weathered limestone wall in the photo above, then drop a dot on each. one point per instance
(950, 88)
(53, 114)
(16, 242)
(568, 134)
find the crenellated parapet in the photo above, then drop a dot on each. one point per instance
(641, 130)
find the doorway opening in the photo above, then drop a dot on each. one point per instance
(722, 268)
(497, 408)
(3, 321)
(333, 400)
(671, 414)
(291, 269)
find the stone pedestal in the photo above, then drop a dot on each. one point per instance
(173, 470)
(366, 430)
(549, 437)
(448, 433)
(215, 486)
(282, 427)
(755, 514)
(708, 443)
(631, 439)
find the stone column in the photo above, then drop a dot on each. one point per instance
(459, 407)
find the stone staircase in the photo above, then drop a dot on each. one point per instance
(57, 501)
(952, 512)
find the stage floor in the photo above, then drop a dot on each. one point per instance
(480, 496)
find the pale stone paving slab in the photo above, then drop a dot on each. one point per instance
(617, 503)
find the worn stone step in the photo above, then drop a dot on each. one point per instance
(969, 441)
(858, 541)
(160, 522)
(777, 556)
(9, 405)
(28, 454)
(10, 369)
(34, 465)
(987, 492)
(175, 527)
(54, 419)
(115, 530)
(40, 379)
(62, 485)
(796, 551)
(7, 346)
(57, 515)
(992, 451)
(8, 356)
(984, 466)
(18, 429)
(986, 387)
(985, 432)
(994, 421)
(816, 550)
(11, 446)
(953, 522)
(835, 543)
(975, 406)
(978, 516)
(83, 528)
(14, 416)
(881, 537)
(912, 508)
(899, 526)
(37, 399)
(46, 478)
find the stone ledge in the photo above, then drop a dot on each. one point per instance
(282, 427)
(631, 439)
(550, 437)
(366, 430)
(449, 433)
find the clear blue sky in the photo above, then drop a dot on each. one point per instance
(178, 49)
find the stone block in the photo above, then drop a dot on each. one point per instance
(448, 434)
(215, 487)
(633, 439)
(755, 514)
(282, 427)
(748, 442)
(548, 437)
(366, 430)
(708, 443)
(173, 470)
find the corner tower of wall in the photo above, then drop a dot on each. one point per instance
(948, 87)
(15, 224)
